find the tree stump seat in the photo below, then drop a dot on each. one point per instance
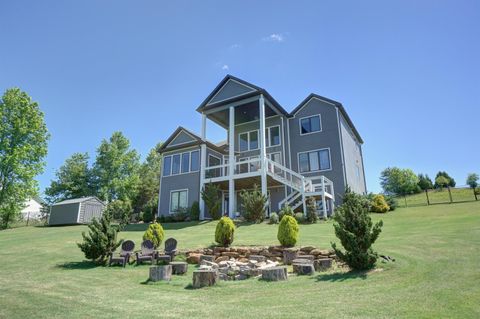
(179, 267)
(204, 278)
(275, 273)
(323, 264)
(304, 269)
(158, 273)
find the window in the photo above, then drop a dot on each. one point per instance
(272, 136)
(314, 161)
(178, 200)
(310, 124)
(185, 162)
(276, 157)
(214, 161)
(176, 164)
(195, 161)
(248, 141)
(167, 166)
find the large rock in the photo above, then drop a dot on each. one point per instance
(307, 249)
(230, 254)
(211, 264)
(257, 257)
(275, 273)
(193, 258)
(207, 257)
(204, 278)
(221, 258)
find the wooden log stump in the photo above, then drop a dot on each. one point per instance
(275, 273)
(323, 264)
(204, 278)
(258, 258)
(304, 269)
(289, 255)
(163, 259)
(179, 267)
(207, 258)
(302, 261)
(158, 273)
(308, 257)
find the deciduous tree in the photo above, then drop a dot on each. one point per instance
(399, 181)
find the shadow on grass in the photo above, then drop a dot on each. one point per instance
(342, 276)
(77, 265)
(166, 226)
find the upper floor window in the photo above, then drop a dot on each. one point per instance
(181, 163)
(314, 161)
(310, 124)
(248, 141)
(272, 136)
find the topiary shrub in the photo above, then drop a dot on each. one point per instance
(100, 241)
(224, 231)
(195, 211)
(288, 231)
(254, 204)
(155, 234)
(312, 216)
(286, 210)
(354, 227)
(273, 218)
(379, 205)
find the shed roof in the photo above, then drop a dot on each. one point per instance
(77, 200)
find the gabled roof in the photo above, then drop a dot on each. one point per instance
(197, 140)
(77, 200)
(330, 101)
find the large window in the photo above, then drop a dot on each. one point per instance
(178, 200)
(272, 136)
(314, 161)
(181, 163)
(248, 141)
(214, 161)
(310, 124)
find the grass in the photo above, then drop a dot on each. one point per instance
(43, 275)
(437, 196)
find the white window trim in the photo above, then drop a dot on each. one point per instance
(189, 164)
(170, 199)
(307, 117)
(248, 141)
(267, 136)
(310, 151)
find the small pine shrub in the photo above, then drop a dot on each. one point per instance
(286, 210)
(211, 197)
(100, 241)
(391, 202)
(354, 227)
(312, 216)
(299, 218)
(195, 211)
(273, 218)
(379, 205)
(288, 231)
(254, 204)
(155, 234)
(224, 231)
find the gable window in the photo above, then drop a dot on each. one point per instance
(176, 164)
(314, 161)
(272, 136)
(310, 124)
(167, 165)
(248, 141)
(195, 161)
(185, 162)
(178, 200)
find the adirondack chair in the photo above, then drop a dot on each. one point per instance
(124, 256)
(147, 252)
(171, 247)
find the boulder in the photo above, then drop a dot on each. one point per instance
(307, 249)
(207, 257)
(193, 258)
(211, 264)
(230, 254)
(257, 257)
(221, 258)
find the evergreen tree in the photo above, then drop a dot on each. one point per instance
(451, 181)
(354, 227)
(424, 182)
(100, 241)
(312, 216)
(254, 204)
(211, 197)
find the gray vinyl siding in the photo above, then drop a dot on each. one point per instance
(352, 150)
(181, 138)
(66, 214)
(229, 90)
(327, 138)
(90, 209)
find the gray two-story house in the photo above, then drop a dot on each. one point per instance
(314, 150)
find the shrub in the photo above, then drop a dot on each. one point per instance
(353, 226)
(288, 231)
(100, 241)
(273, 218)
(181, 215)
(379, 205)
(312, 216)
(299, 217)
(120, 211)
(211, 197)
(160, 219)
(391, 202)
(224, 231)
(147, 216)
(285, 211)
(155, 234)
(254, 204)
(195, 211)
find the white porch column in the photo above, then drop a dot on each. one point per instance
(203, 164)
(324, 202)
(263, 147)
(231, 163)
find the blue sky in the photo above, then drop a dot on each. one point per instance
(408, 72)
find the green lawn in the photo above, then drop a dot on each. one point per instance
(436, 275)
(437, 196)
